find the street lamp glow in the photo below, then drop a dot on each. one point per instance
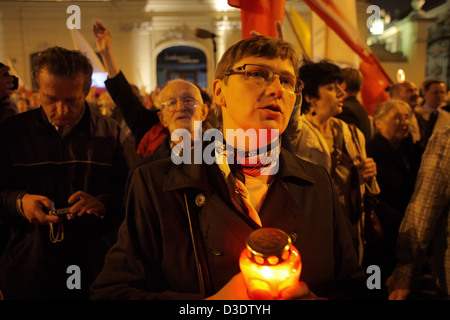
(401, 75)
(222, 5)
(377, 27)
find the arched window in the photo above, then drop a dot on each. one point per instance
(183, 62)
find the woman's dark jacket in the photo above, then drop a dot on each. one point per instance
(396, 174)
(153, 258)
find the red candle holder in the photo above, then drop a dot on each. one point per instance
(269, 263)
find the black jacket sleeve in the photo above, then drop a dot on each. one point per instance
(137, 117)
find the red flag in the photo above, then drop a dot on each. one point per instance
(259, 15)
(376, 79)
(373, 91)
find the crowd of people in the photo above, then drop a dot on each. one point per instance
(142, 226)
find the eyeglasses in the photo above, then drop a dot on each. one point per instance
(263, 76)
(171, 104)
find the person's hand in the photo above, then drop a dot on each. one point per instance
(300, 291)
(236, 289)
(102, 37)
(279, 31)
(103, 40)
(36, 207)
(398, 289)
(84, 203)
(368, 169)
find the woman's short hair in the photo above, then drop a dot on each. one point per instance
(316, 74)
(383, 108)
(257, 46)
(353, 80)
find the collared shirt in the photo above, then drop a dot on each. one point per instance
(64, 130)
(427, 219)
(257, 186)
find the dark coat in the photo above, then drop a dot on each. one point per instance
(138, 118)
(92, 157)
(154, 258)
(396, 174)
(354, 113)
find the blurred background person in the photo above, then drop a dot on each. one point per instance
(33, 100)
(430, 114)
(92, 98)
(105, 104)
(7, 107)
(138, 118)
(398, 159)
(23, 105)
(154, 99)
(352, 109)
(407, 91)
(447, 102)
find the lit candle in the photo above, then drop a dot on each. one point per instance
(269, 263)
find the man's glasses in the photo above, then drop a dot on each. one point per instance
(263, 76)
(171, 104)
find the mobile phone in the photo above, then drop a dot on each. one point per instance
(63, 213)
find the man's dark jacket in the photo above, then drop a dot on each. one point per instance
(353, 112)
(93, 157)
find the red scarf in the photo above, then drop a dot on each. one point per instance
(152, 140)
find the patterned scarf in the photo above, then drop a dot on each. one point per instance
(236, 164)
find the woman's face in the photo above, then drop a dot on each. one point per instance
(394, 126)
(330, 100)
(249, 104)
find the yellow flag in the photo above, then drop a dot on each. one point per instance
(326, 43)
(302, 30)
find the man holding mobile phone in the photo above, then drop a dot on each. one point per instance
(61, 155)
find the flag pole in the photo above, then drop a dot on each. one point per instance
(305, 55)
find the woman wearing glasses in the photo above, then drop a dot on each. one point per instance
(398, 159)
(315, 135)
(186, 225)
